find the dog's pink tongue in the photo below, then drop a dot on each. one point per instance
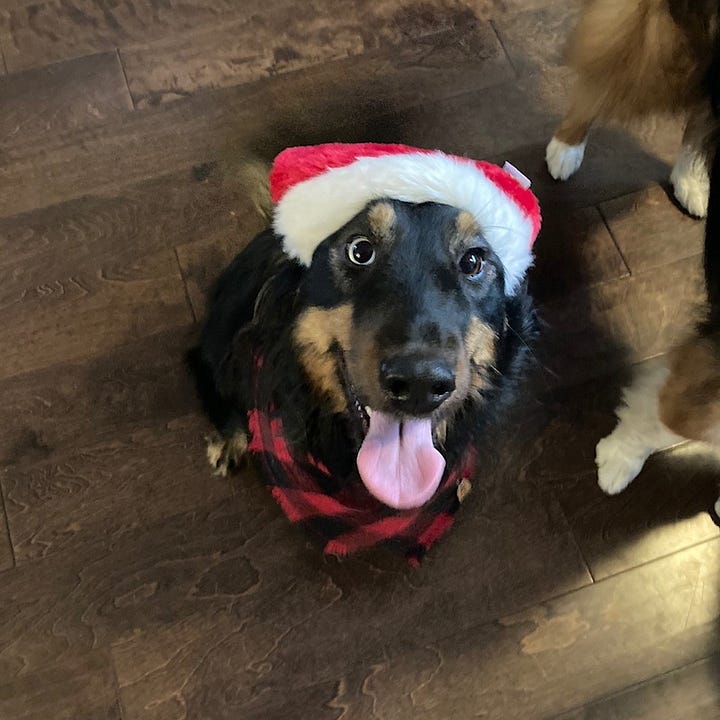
(398, 463)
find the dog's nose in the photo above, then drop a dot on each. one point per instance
(416, 385)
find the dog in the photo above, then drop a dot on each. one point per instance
(679, 399)
(637, 57)
(386, 347)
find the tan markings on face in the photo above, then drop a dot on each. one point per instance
(480, 342)
(471, 372)
(381, 218)
(466, 225)
(466, 228)
(690, 399)
(315, 332)
(364, 362)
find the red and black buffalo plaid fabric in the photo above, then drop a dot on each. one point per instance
(343, 513)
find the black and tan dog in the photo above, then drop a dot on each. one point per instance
(637, 57)
(387, 341)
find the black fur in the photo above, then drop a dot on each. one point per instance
(712, 226)
(413, 294)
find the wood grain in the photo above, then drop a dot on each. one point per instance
(256, 47)
(35, 33)
(104, 268)
(574, 249)
(90, 311)
(103, 489)
(665, 509)
(47, 412)
(152, 576)
(651, 230)
(6, 553)
(80, 688)
(345, 93)
(534, 664)
(64, 96)
(596, 330)
(690, 691)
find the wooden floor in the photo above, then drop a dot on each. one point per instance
(134, 584)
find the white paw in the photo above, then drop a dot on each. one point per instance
(563, 160)
(691, 183)
(225, 454)
(616, 469)
(717, 507)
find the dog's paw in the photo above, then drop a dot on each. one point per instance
(691, 183)
(224, 454)
(616, 469)
(717, 508)
(563, 160)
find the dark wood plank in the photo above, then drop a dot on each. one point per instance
(6, 554)
(534, 664)
(273, 38)
(255, 46)
(104, 267)
(89, 312)
(664, 510)
(593, 331)
(534, 35)
(348, 95)
(203, 261)
(651, 230)
(60, 97)
(574, 249)
(202, 561)
(79, 688)
(142, 385)
(141, 219)
(100, 490)
(691, 691)
(248, 49)
(36, 33)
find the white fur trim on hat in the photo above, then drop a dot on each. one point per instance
(316, 208)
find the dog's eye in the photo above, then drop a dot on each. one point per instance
(360, 251)
(472, 262)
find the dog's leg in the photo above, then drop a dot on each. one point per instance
(566, 150)
(690, 176)
(225, 453)
(640, 433)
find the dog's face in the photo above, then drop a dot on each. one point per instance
(403, 308)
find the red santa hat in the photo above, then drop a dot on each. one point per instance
(318, 189)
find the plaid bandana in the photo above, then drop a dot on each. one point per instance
(344, 514)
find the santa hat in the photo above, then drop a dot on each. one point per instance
(318, 189)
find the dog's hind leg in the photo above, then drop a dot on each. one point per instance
(639, 433)
(690, 176)
(566, 150)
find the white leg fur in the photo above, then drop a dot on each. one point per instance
(564, 160)
(639, 433)
(690, 177)
(691, 181)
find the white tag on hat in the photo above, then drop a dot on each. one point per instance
(512, 170)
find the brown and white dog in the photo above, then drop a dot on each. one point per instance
(633, 58)
(679, 399)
